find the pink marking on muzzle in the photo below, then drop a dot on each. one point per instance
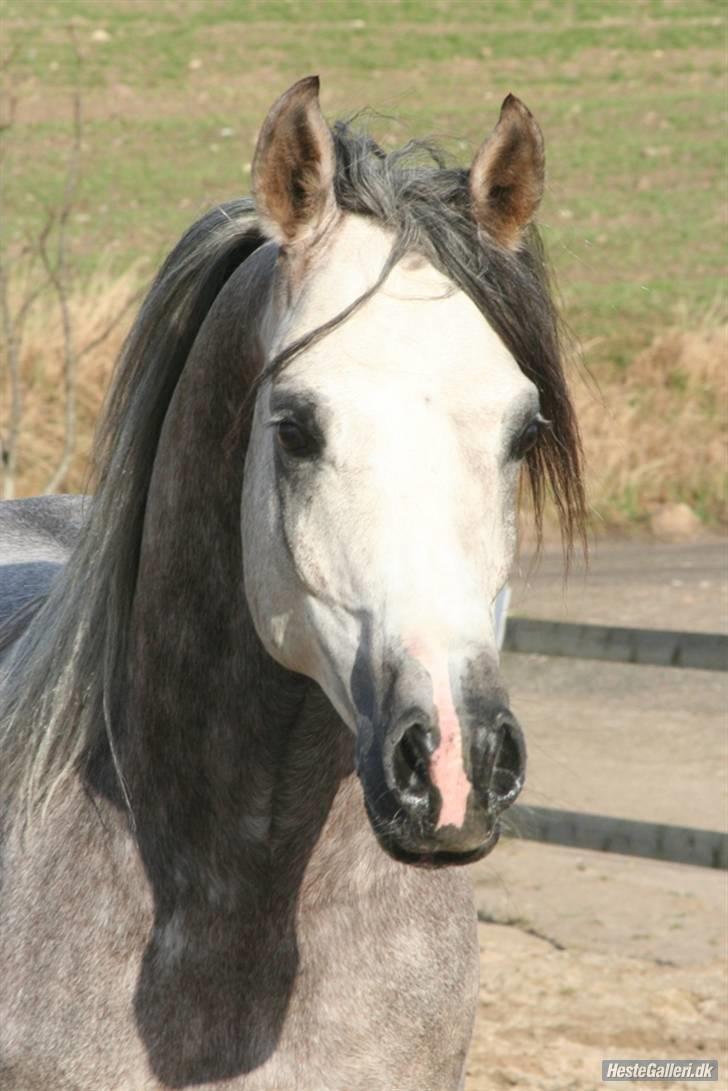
(446, 764)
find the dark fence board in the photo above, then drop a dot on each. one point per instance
(650, 647)
(600, 833)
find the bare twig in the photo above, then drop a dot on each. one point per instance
(9, 441)
(111, 324)
(58, 274)
(31, 266)
(11, 328)
(6, 63)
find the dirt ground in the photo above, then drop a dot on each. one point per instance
(586, 956)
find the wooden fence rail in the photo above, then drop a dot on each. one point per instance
(648, 647)
(601, 833)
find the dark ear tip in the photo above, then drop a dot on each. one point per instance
(512, 104)
(309, 86)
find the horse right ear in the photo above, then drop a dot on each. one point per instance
(507, 175)
(293, 167)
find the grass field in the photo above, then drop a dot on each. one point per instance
(631, 95)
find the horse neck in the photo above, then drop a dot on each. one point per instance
(231, 762)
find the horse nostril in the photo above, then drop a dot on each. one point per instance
(509, 767)
(411, 760)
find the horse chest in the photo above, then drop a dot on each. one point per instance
(346, 995)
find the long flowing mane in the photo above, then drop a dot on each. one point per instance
(64, 672)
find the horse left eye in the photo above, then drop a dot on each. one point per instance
(293, 439)
(528, 438)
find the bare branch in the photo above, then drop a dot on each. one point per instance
(57, 271)
(11, 328)
(111, 324)
(8, 60)
(9, 442)
(39, 263)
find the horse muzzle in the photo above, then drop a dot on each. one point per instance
(434, 789)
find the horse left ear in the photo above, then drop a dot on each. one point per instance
(507, 175)
(294, 165)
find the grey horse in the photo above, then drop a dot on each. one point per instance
(251, 716)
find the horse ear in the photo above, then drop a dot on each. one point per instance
(507, 175)
(293, 166)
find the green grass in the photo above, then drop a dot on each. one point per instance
(631, 95)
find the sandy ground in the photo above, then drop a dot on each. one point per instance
(586, 956)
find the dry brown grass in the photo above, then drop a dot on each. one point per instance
(654, 433)
(101, 312)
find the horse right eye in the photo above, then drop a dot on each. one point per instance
(293, 440)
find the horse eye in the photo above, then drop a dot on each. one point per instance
(528, 438)
(293, 439)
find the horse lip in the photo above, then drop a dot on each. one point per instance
(432, 859)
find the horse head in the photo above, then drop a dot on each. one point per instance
(390, 429)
